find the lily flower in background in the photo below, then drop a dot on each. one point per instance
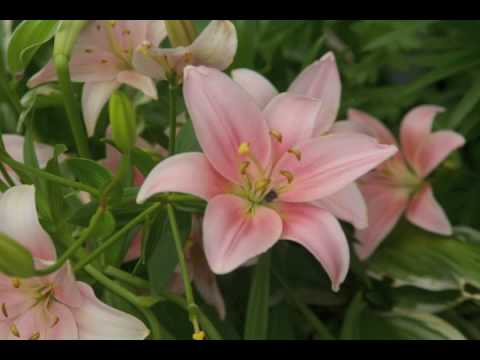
(55, 306)
(214, 47)
(399, 185)
(103, 60)
(203, 278)
(260, 171)
(321, 81)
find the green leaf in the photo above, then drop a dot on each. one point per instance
(411, 256)
(163, 259)
(26, 40)
(15, 260)
(186, 139)
(352, 317)
(256, 323)
(89, 172)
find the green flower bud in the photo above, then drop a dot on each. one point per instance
(180, 32)
(122, 120)
(67, 36)
(15, 260)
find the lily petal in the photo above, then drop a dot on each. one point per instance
(66, 290)
(321, 234)
(435, 149)
(347, 204)
(138, 81)
(232, 235)
(144, 63)
(385, 206)
(19, 220)
(225, 116)
(321, 80)
(65, 327)
(94, 97)
(259, 87)
(328, 164)
(425, 212)
(186, 173)
(415, 129)
(375, 126)
(14, 146)
(292, 117)
(96, 320)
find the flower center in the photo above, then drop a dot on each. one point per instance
(123, 53)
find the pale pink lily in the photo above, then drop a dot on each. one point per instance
(398, 186)
(259, 177)
(203, 278)
(14, 147)
(54, 306)
(321, 81)
(214, 47)
(103, 60)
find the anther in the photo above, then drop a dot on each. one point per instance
(288, 175)
(4, 310)
(16, 283)
(55, 322)
(199, 335)
(262, 184)
(244, 166)
(35, 336)
(277, 135)
(295, 152)
(14, 330)
(244, 148)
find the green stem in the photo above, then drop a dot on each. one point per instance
(192, 307)
(319, 326)
(73, 113)
(172, 102)
(117, 236)
(18, 166)
(11, 96)
(140, 283)
(75, 246)
(157, 329)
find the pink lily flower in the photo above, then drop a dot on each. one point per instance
(14, 147)
(55, 306)
(321, 81)
(103, 60)
(214, 47)
(202, 277)
(260, 171)
(398, 186)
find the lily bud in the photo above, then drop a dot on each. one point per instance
(122, 120)
(180, 32)
(66, 36)
(15, 260)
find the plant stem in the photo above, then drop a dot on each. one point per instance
(192, 307)
(117, 236)
(18, 166)
(74, 247)
(135, 281)
(172, 104)
(73, 113)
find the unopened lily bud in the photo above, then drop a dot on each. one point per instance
(66, 36)
(122, 120)
(180, 32)
(15, 260)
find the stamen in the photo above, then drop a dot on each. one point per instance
(16, 283)
(277, 135)
(14, 330)
(288, 175)
(55, 322)
(261, 185)
(295, 152)
(199, 335)
(244, 148)
(146, 44)
(4, 310)
(244, 166)
(35, 336)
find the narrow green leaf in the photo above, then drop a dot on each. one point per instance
(89, 172)
(352, 317)
(186, 139)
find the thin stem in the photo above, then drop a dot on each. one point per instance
(157, 329)
(73, 113)
(75, 246)
(117, 236)
(18, 166)
(140, 283)
(192, 307)
(319, 326)
(172, 104)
